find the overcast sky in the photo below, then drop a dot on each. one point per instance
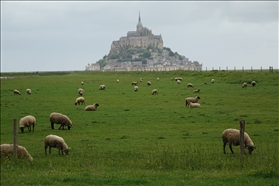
(63, 36)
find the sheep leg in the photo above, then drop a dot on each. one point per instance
(46, 151)
(49, 149)
(62, 125)
(231, 148)
(33, 127)
(29, 128)
(224, 147)
(52, 125)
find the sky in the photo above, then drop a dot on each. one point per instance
(68, 35)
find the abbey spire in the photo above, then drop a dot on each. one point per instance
(139, 23)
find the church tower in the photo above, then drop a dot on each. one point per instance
(139, 25)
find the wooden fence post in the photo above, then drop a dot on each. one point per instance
(241, 141)
(15, 138)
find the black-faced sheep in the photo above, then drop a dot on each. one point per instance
(194, 105)
(134, 83)
(154, 91)
(8, 150)
(80, 100)
(91, 107)
(80, 91)
(148, 83)
(56, 142)
(244, 85)
(28, 91)
(27, 121)
(102, 87)
(178, 81)
(61, 119)
(191, 99)
(253, 83)
(17, 92)
(190, 85)
(136, 88)
(232, 137)
(196, 91)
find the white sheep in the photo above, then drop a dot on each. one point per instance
(154, 91)
(244, 85)
(141, 80)
(158, 79)
(27, 121)
(191, 99)
(117, 80)
(196, 91)
(148, 83)
(28, 91)
(56, 142)
(194, 105)
(102, 87)
(212, 81)
(17, 92)
(80, 91)
(61, 119)
(253, 83)
(178, 81)
(91, 107)
(190, 85)
(232, 137)
(80, 100)
(136, 88)
(134, 83)
(82, 83)
(8, 150)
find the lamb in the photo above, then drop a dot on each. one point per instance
(232, 137)
(28, 91)
(102, 87)
(134, 83)
(80, 91)
(190, 85)
(56, 142)
(194, 105)
(59, 118)
(80, 100)
(27, 121)
(154, 91)
(148, 83)
(196, 91)
(191, 99)
(212, 81)
(136, 88)
(91, 107)
(8, 150)
(17, 92)
(253, 83)
(244, 85)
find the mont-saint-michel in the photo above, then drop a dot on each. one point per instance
(141, 50)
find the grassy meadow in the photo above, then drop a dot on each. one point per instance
(135, 138)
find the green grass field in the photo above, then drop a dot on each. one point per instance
(135, 138)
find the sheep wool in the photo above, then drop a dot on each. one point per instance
(27, 121)
(193, 100)
(232, 137)
(80, 100)
(17, 92)
(80, 91)
(91, 107)
(154, 91)
(212, 81)
(196, 91)
(253, 83)
(134, 83)
(28, 91)
(190, 85)
(136, 88)
(102, 87)
(194, 105)
(61, 119)
(56, 142)
(244, 85)
(8, 150)
(148, 83)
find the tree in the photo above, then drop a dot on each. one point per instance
(102, 63)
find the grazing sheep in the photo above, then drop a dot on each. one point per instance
(91, 107)
(27, 121)
(232, 137)
(253, 83)
(178, 78)
(28, 91)
(134, 83)
(17, 92)
(8, 150)
(194, 105)
(102, 87)
(117, 80)
(59, 118)
(136, 88)
(82, 83)
(158, 79)
(148, 83)
(141, 80)
(154, 91)
(190, 85)
(80, 100)
(56, 142)
(178, 81)
(196, 91)
(191, 99)
(212, 81)
(244, 85)
(80, 91)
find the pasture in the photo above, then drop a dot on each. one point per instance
(135, 138)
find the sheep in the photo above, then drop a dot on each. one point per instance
(190, 85)
(178, 81)
(191, 99)
(194, 105)
(91, 107)
(17, 92)
(102, 87)
(141, 80)
(134, 83)
(244, 85)
(148, 83)
(232, 137)
(253, 83)
(28, 91)
(80, 100)
(154, 91)
(27, 121)
(212, 81)
(178, 78)
(56, 142)
(59, 118)
(82, 83)
(196, 91)
(80, 91)
(158, 79)
(136, 88)
(117, 80)
(8, 150)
